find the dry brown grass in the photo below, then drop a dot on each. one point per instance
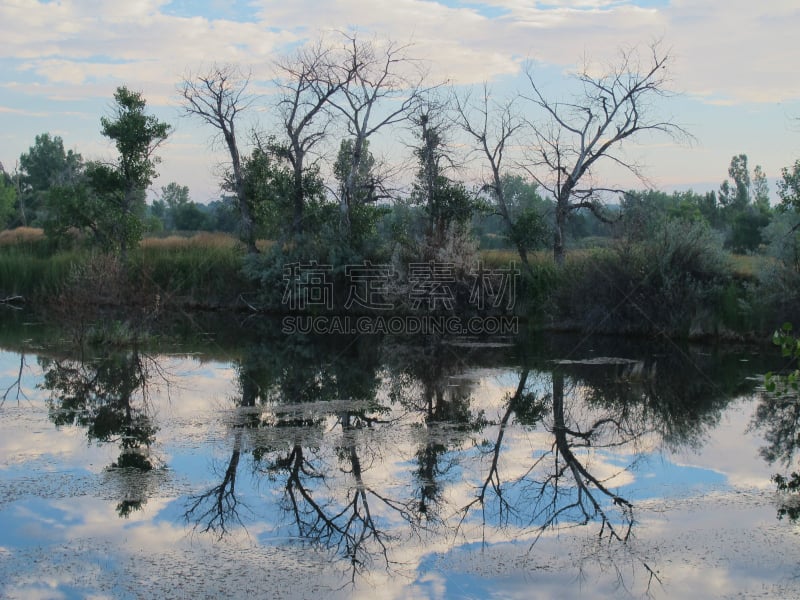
(21, 235)
(748, 266)
(500, 258)
(203, 239)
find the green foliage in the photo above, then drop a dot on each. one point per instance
(782, 237)
(268, 189)
(776, 291)
(644, 212)
(45, 166)
(109, 200)
(784, 391)
(527, 211)
(746, 229)
(111, 203)
(790, 348)
(325, 247)
(136, 136)
(8, 199)
(736, 195)
(447, 202)
(789, 187)
(365, 181)
(34, 274)
(664, 283)
(195, 274)
(790, 486)
(176, 211)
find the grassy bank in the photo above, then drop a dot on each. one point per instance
(200, 270)
(682, 287)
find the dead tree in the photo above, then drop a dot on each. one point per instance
(308, 81)
(385, 84)
(492, 127)
(575, 137)
(217, 97)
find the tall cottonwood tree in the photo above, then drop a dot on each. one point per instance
(109, 200)
(384, 86)
(307, 81)
(218, 97)
(575, 137)
(447, 202)
(45, 165)
(492, 126)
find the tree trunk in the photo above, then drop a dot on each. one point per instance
(248, 231)
(299, 200)
(558, 237)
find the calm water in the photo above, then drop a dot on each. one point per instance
(239, 463)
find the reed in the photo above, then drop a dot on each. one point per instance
(26, 273)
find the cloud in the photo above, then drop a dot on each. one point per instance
(20, 111)
(736, 51)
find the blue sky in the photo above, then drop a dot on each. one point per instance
(734, 66)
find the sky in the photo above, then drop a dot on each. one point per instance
(733, 67)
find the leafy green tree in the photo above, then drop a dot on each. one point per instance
(8, 198)
(746, 229)
(446, 201)
(364, 179)
(178, 211)
(109, 200)
(366, 188)
(46, 165)
(744, 205)
(789, 187)
(268, 185)
(136, 135)
(736, 195)
(224, 214)
(760, 189)
(527, 211)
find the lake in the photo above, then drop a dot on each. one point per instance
(223, 459)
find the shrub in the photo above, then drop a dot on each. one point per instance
(671, 282)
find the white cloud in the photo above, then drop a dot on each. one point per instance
(725, 53)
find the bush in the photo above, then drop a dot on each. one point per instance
(670, 283)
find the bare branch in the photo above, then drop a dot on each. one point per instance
(575, 137)
(217, 97)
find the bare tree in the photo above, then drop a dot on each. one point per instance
(575, 137)
(492, 127)
(218, 97)
(384, 85)
(309, 80)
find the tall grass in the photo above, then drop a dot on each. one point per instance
(203, 269)
(27, 274)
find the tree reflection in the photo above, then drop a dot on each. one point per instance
(16, 384)
(108, 395)
(364, 440)
(313, 418)
(777, 417)
(427, 380)
(581, 416)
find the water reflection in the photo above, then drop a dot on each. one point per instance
(777, 418)
(14, 389)
(108, 395)
(378, 451)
